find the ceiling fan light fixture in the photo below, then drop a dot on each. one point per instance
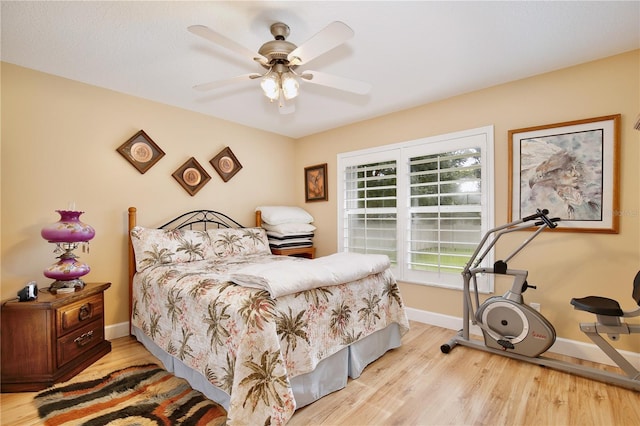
(271, 86)
(290, 85)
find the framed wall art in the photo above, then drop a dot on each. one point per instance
(571, 169)
(141, 151)
(191, 176)
(315, 183)
(226, 164)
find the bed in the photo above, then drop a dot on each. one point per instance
(209, 300)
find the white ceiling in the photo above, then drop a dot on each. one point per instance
(412, 52)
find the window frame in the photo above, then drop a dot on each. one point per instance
(401, 152)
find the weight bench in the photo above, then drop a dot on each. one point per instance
(608, 314)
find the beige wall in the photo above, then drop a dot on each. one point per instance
(47, 121)
(59, 140)
(564, 265)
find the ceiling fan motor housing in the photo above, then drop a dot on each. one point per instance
(277, 51)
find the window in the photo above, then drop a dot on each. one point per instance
(424, 203)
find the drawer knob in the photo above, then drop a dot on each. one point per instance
(84, 338)
(85, 312)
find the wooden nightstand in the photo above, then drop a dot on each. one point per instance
(308, 252)
(51, 339)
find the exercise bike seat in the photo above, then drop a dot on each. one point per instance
(605, 306)
(598, 305)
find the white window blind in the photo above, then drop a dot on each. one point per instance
(444, 211)
(371, 208)
(424, 203)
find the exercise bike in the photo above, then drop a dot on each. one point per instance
(513, 329)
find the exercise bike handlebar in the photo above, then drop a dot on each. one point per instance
(542, 214)
(477, 257)
(536, 215)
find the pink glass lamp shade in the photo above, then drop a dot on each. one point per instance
(68, 233)
(69, 229)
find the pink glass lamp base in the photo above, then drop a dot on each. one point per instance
(67, 272)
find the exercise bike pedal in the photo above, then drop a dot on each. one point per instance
(506, 344)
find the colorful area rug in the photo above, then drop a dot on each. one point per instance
(139, 395)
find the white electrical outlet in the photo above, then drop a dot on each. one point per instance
(535, 306)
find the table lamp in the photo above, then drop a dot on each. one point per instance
(68, 233)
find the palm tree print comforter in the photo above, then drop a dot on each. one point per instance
(247, 343)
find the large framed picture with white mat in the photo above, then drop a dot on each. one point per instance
(569, 168)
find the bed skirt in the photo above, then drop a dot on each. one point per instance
(330, 374)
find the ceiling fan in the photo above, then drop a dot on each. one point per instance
(281, 58)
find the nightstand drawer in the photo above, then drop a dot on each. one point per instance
(74, 344)
(80, 313)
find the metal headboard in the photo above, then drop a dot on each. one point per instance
(201, 219)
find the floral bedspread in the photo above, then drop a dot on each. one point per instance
(247, 343)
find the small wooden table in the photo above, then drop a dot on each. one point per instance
(308, 252)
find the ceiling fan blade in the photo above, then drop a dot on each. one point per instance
(219, 83)
(341, 83)
(333, 35)
(219, 39)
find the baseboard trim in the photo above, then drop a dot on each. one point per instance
(116, 330)
(572, 348)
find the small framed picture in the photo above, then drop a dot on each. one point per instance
(191, 176)
(226, 164)
(141, 151)
(315, 183)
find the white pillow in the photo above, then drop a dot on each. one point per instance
(290, 228)
(277, 215)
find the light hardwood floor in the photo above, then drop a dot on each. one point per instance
(418, 385)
